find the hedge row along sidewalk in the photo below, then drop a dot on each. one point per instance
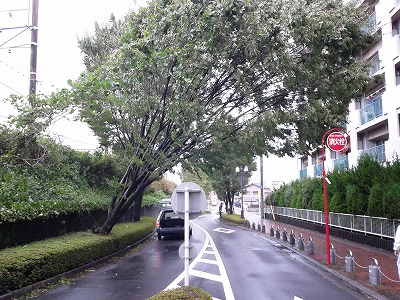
(26, 265)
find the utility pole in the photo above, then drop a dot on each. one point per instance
(34, 39)
(262, 186)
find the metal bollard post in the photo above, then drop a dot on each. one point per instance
(333, 255)
(253, 226)
(310, 246)
(271, 231)
(277, 233)
(259, 227)
(300, 242)
(263, 228)
(292, 240)
(284, 235)
(374, 272)
(349, 262)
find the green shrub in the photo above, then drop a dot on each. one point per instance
(232, 218)
(182, 293)
(25, 265)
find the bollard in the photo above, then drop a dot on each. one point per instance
(300, 242)
(263, 228)
(310, 246)
(333, 255)
(292, 240)
(374, 273)
(271, 231)
(349, 262)
(259, 227)
(277, 233)
(284, 235)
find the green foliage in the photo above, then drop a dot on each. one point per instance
(25, 265)
(233, 218)
(391, 201)
(182, 293)
(40, 179)
(375, 201)
(368, 189)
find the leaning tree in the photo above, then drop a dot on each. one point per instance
(183, 73)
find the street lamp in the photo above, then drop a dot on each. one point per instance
(241, 171)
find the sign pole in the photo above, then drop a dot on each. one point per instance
(337, 141)
(326, 212)
(187, 236)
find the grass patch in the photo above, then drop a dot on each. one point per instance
(24, 265)
(183, 293)
(234, 218)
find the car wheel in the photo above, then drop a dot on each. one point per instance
(159, 236)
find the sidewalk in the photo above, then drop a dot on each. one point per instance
(362, 254)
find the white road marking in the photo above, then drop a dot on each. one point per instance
(224, 230)
(208, 248)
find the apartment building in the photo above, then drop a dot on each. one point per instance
(374, 118)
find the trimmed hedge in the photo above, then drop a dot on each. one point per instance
(232, 218)
(24, 265)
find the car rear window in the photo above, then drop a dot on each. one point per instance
(170, 215)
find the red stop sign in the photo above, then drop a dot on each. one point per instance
(337, 141)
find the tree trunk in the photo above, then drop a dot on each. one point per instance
(130, 192)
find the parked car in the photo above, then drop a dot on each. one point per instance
(170, 224)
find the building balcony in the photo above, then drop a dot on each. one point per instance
(303, 173)
(370, 24)
(377, 153)
(317, 170)
(341, 163)
(375, 65)
(371, 111)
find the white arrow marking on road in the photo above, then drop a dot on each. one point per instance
(208, 248)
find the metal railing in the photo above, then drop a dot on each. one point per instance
(341, 163)
(317, 170)
(381, 227)
(375, 65)
(377, 153)
(371, 111)
(303, 173)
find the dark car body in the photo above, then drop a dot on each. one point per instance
(170, 224)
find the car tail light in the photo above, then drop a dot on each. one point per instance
(158, 223)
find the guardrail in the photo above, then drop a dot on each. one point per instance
(381, 227)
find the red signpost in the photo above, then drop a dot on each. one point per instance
(338, 140)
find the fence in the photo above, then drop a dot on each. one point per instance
(380, 227)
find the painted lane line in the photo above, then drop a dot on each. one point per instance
(208, 261)
(206, 275)
(223, 277)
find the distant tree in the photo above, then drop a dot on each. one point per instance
(179, 74)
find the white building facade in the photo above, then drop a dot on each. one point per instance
(374, 118)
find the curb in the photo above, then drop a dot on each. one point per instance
(30, 288)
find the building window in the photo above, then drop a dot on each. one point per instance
(397, 73)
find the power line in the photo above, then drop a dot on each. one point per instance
(10, 88)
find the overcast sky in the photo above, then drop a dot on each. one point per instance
(59, 59)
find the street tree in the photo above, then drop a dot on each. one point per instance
(185, 73)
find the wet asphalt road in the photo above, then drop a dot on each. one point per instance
(232, 264)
